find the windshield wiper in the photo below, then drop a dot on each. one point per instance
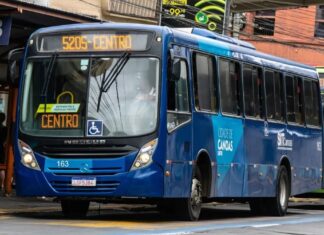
(48, 79)
(111, 77)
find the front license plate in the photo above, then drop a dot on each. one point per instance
(84, 182)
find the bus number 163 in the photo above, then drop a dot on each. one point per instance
(63, 164)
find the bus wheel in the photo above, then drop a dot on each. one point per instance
(189, 208)
(75, 208)
(278, 205)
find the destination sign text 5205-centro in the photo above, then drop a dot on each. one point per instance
(95, 41)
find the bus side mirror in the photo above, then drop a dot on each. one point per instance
(14, 63)
(176, 69)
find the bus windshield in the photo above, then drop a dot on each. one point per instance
(81, 93)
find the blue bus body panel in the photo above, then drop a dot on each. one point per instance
(229, 145)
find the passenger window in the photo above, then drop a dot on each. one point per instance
(230, 85)
(290, 99)
(270, 94)
(279, 97)
(299, 107)
(294, 100)
(252, 85)
(311, 103)
(316, 121)
(178, 99)
(204, 82)
(275, 95)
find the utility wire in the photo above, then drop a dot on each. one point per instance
(280, 30)
(285, 30)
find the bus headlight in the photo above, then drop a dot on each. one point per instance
(27, 156)
(144, 157)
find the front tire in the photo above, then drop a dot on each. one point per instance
(74, 208)
(190, 208)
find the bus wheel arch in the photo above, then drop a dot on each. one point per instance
(189, 208)
(203, 162)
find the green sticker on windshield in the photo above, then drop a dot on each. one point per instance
(58, 108)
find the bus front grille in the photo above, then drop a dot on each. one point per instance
(85, 151)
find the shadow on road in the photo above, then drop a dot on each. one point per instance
(149, 213)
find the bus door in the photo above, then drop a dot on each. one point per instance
(179, 125)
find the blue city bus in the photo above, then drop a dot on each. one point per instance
(135, 112)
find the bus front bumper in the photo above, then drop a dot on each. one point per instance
(104, 178)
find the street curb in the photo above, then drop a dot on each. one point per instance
(297, 199)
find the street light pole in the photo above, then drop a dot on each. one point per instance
(227, 16)
(161, 9)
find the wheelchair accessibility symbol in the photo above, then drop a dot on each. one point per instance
(94, 128)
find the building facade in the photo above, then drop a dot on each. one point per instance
(296, 34)
(138, 11)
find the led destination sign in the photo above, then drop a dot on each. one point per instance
(95, 41)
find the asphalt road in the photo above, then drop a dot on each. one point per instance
(304, 217)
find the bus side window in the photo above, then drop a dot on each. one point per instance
(316, 106)
(295, 107)
(230, 85)
(270, 95)
(299, 104)
(252, 85)
(279, 97)
(290, 99)
(178, 99)
(274, 94)
(311, 103)
(205, 82)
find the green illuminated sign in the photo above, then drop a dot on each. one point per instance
(187, 13)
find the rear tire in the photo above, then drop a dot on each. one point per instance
(74, 208)
(278, 205)
(190, 208)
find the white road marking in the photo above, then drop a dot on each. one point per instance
(264, 225)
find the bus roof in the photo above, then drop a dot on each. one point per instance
(202, 40)
(245, 52)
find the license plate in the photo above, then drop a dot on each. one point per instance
(84, 182)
